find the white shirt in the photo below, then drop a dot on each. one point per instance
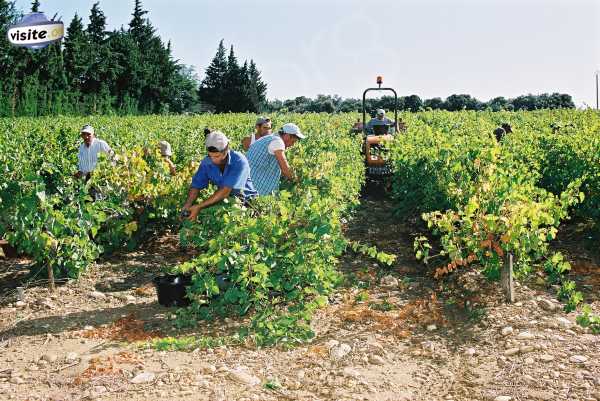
(88, 156)
(276, 144)
(252, 138)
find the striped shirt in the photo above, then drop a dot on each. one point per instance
(88, 156)
(264, 168)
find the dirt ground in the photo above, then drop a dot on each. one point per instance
(388, 334)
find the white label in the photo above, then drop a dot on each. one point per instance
(36, 34)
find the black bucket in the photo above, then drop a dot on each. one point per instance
(171, 289)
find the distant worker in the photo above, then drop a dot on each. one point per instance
(401, 125)
(267, 159)
(88, 152)
(357, 127)
(501, 131)
(380, 120)
(166, 153)
(261, 128)
(226, 169)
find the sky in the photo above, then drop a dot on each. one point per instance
(432, 48)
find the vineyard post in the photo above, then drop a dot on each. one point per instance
(51, 278)
(506, 278)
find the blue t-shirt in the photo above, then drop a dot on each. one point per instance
(236, 175)
(375, 121)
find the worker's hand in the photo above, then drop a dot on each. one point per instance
(194, 210)
(185, 213)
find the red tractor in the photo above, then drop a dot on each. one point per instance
(375, 135)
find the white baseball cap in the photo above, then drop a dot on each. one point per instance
(292, 129)
(87, 129)
(218, 140)
(380, 112)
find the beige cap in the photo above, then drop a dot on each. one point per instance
(165, 148)
(87, 129)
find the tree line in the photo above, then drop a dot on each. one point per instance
(332, 104)
(132, 71)
(125, 71)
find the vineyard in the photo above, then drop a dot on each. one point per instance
(472, 201)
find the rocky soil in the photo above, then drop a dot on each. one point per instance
(388, 334)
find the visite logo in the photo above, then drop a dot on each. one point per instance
(35, 31)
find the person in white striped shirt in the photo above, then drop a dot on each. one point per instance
(88, 152)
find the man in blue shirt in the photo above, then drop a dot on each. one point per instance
(381, 121)
(227, 169)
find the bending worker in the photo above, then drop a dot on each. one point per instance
(262, 128)
(166, 153)
(501, 131)
(267, 159)
(227, 169)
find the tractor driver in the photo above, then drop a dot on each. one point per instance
(379, 120)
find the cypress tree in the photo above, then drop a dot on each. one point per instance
(212, 87)
(127, 85)
(233, 85)
(100, 72)
(96, 27)
(75, 62)
(257, 88)
(9, 61)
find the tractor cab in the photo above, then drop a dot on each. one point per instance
(375, 133)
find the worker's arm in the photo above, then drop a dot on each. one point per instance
(172, 168)
(284, 165)
(192, 196)
(215, 198)
(104, 147)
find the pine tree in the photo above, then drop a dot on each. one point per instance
(212, 87)
(100, 70)
(35, 6)
(257, 89)
(245, 101)
(140, 27)
(96, 27)
(75, 62)
(9, 61)
(55, 81)
(127, 87)
(150, 49)
(233, 85)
